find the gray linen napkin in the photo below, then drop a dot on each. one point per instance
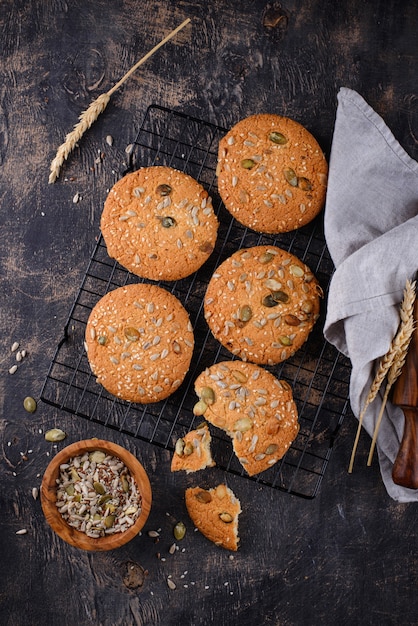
(371, 229)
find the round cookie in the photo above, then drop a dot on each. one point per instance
(272, 173)
(215, 513)
(139, 342)
(262, 303)
(159, 223)
(254, 407)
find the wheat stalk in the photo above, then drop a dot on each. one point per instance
(389, 362)
(405, 333)
(91, 114)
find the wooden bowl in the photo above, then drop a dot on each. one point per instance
(76, 537)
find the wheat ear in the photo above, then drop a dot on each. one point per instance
(91, 114)
(387, 361)
(405, 333)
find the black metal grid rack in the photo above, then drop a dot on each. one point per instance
(318, 374)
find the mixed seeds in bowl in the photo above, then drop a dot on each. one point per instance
(97, 495)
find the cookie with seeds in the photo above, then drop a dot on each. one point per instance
(255, 408)
(193, 452)
(159, 223)
(261, 303)
(139, 342)
(215, 513)
(272, 173)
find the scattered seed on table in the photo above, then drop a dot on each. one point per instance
(179, 531)
(22, 531)
(55, 434)
(29, 404)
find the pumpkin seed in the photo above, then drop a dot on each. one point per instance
(200, 408)
(131, 333)
(101, 340)
(109, 521)
(269, 301)
(226, 517)
(69, 490)
(203, 496)
(273, 284)
(164, 190)
(271, 448)
(75, 476)
(239, 376)
(266, 257)
(304, 184)
(245, 313)
(167, 221)
(179, 446)
(207, 395)
(124, 483)
(247, 164)
(179, 530)
(296, 270)
(280, 296)
(291, 320)
(277, 137)
(290, 176)
(104, 498)
(188, 448)
(243, 424)
(97, 456)
(99, 488)
(307, 307)
(285, 340)
(29, 404)
(55, 434)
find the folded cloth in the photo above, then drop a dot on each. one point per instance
(371, 229)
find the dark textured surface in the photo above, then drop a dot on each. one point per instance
(349, 555)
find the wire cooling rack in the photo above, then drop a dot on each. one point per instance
(318, 374)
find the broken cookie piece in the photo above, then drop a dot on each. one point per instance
(215, 513)
(192, 452)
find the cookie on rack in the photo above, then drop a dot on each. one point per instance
(139, 342)
(272, 173)
(159, 223)
(261, 304)
(255, 408)
(193, 451)
(215, 513)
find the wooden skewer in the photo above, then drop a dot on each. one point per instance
(405, 395)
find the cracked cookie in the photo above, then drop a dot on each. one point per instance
(261, 304)
(272, 173)
(139, 342)
(159, 223)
